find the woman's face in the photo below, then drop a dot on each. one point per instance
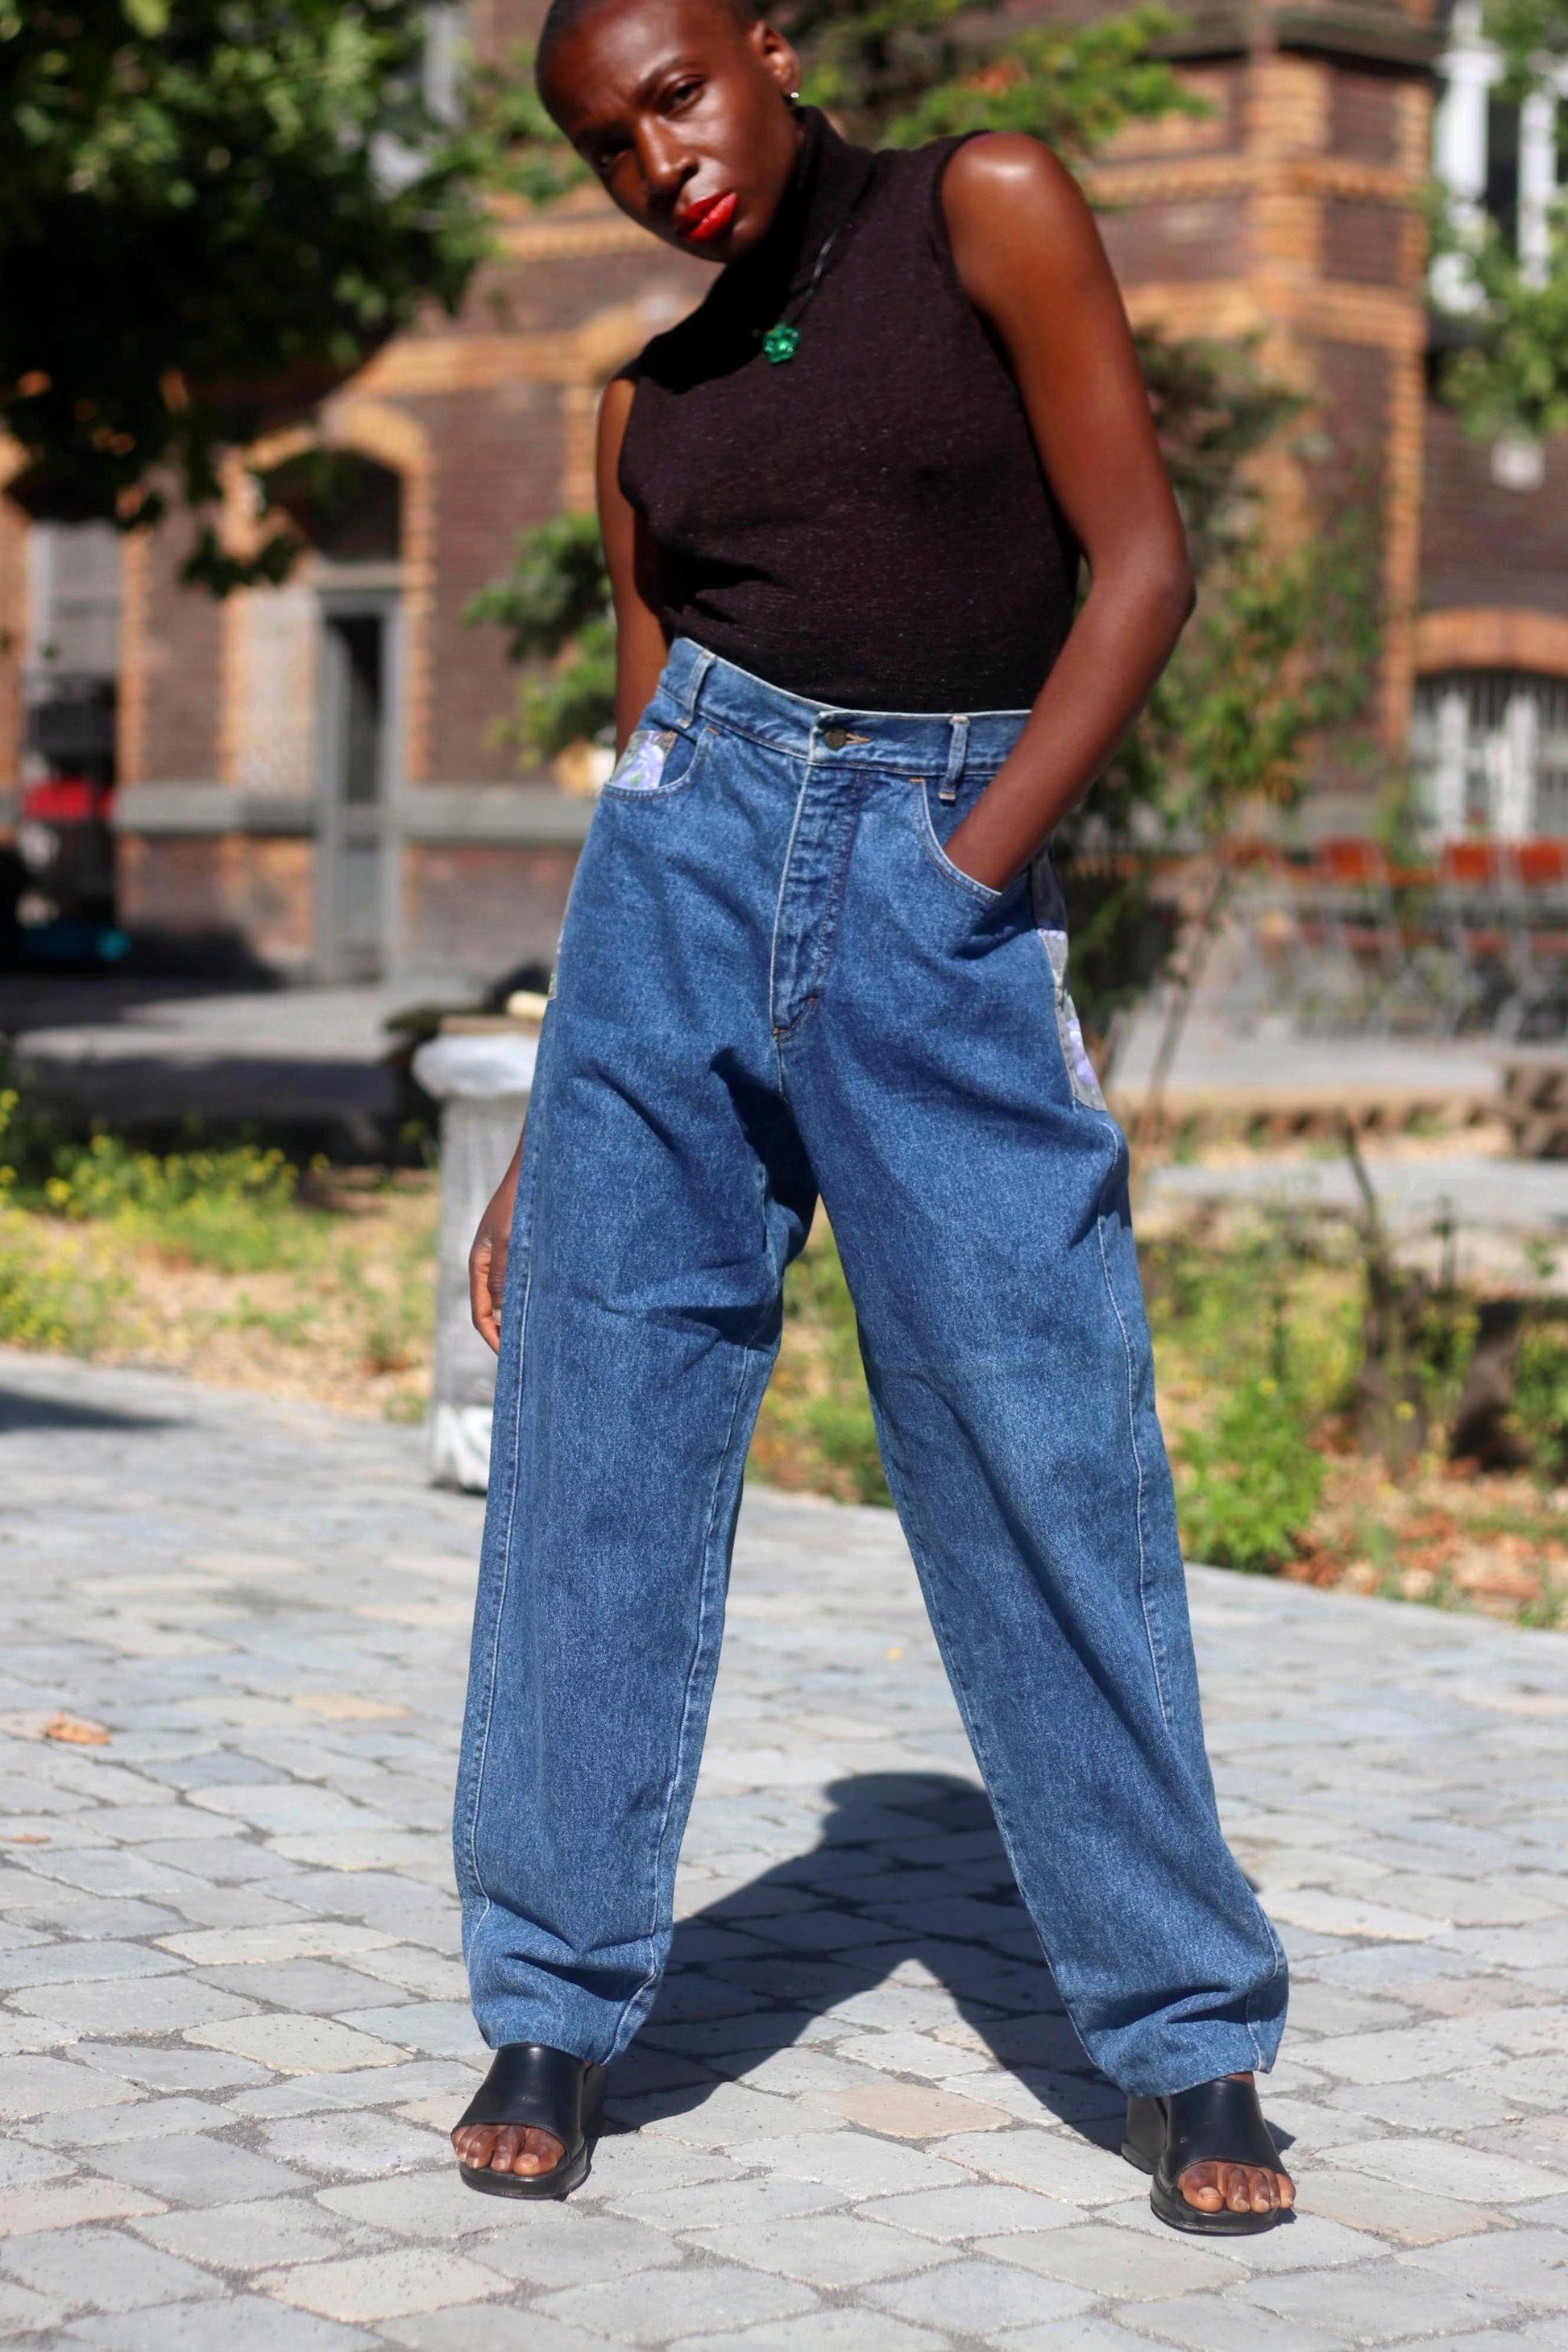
(679, 107)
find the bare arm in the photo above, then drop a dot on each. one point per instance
(640, 648)
(1030, 259)
(639, 658)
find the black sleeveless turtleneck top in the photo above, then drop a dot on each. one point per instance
(867, 523)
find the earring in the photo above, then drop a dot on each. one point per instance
(792, 100)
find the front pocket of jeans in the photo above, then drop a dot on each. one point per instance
(657, 763)
(943, 862)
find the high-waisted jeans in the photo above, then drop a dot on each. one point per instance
(772, 982)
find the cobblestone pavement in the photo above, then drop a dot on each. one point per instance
(234, 2030)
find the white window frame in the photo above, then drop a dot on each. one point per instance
(1469, 67)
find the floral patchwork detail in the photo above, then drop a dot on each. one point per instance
(1081, 1075)
(640, 768)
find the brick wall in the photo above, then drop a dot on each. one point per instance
(499, 456)
(275, 901)
(484, 910)
(1482, 544)
(179, 886)
(1176, 242)
(1364, 241)
(1363, 115)
(178, 634)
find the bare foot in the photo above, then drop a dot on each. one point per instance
(506, 2147)
(1234, 2188)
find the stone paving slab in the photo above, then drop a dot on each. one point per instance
(232, 2030)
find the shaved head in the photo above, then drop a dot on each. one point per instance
(685, 109)
(564, 17)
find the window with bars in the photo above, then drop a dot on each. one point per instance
(1490, 753)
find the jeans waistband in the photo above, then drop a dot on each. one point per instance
(928, 743)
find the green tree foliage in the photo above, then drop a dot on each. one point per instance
(1250, 1482)
(554, 605)
(1532, 35)
(1281, 650)
(518, 147)
(1510, 374)
(210, 210)
(898, 72)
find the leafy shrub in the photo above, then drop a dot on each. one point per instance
(232, 1210)
(48, 1304)
(1252, 1479)
(1540, 1401)
(815, 1430)
(846, 1436)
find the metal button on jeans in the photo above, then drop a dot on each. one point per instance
(835, 738)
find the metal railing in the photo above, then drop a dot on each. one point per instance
(1343, 941)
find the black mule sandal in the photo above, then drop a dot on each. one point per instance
(1215, 2123)
(530, 2086)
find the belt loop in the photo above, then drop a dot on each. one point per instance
(693, 689)
(958, 751)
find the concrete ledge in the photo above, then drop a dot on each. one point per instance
(209, 809)
(482, 815)
(526, 815)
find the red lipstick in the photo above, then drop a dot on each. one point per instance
(708, 217)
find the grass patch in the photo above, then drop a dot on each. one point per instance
(53, 1298)
(1259, 1347)
(233, 1264)
(227, 1262)
(236, 1211)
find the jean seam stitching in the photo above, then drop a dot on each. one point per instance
(491, 1679)
(994, 1782)
(1138, 1467)
(774, 1023)
(1255, 1998)
(494, 1669)
(629, 2006)
(943, 864)
(828, 929)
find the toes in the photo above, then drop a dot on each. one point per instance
(1235, 2188)
(1201, 2188)
(510, 2148)
(540, 2152)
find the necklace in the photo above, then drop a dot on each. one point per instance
(782, 339)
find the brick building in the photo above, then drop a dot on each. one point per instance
(310, 771)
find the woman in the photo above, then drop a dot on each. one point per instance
(814, 943)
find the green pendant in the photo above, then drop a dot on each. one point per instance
(780, 343)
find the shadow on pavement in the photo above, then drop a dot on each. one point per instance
(909, 1867)
(19, 1411)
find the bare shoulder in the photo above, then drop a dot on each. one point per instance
(1012, 208)
(615, 406)
(1005, 175)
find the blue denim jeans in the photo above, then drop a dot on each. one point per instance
(773, 980)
